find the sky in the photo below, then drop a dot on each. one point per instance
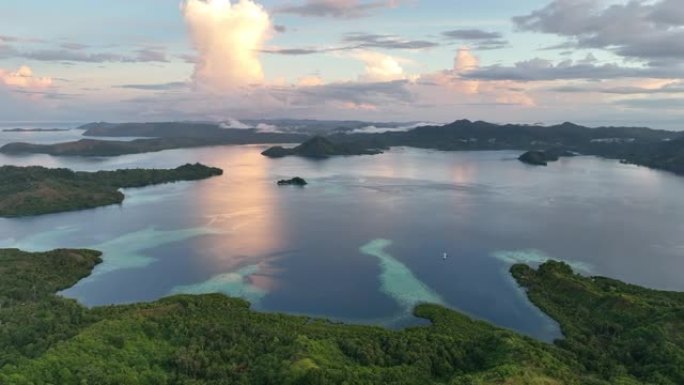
(594, 62)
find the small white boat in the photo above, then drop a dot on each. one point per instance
(444, 256)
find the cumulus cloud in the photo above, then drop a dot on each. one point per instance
(228, 38)
(458, 83)
(465, 61)
(380, 67)
(336, 8)
(23, 78)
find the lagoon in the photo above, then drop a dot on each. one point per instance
(364, 240)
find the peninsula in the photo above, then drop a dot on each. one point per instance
(613, 333)
(36, 190)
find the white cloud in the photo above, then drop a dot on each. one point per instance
(379, 130)
(465, 61)
(380, 67)
(228, 38)
(233, 123)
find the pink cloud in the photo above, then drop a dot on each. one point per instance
(23, 78)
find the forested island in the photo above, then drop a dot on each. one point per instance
(543, 158)
(320, 147)
(296, 181)
(35, 130)
(614, 334)
(656, 149)
(38, 190)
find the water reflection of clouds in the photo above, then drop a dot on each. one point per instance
(244, 203)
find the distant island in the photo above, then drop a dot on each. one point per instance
(658, 149)
(93, 147)
(320, 147)
(36, 190)
(614, 333)
(296, 181)
(35, 129)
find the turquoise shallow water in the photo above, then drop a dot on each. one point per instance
(363, 242)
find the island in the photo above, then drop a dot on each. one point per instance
(35, 130)
(542, 158)
(657, 149)
(96, 147)
(536, 158)
(614, 333)
(320, 147)
(296, 181)
(36, 190)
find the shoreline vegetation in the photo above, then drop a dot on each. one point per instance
(615, 333)
(296, 181)
(36, 190)
(657, 149)
(319, 147)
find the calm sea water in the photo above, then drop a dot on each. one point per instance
(364, 241)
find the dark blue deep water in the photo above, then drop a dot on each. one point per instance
(364, 241)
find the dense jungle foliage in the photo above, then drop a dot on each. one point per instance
(615, 334)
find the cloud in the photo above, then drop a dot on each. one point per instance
(379, 130)
(346, 95)
(538, 69)
(157, 87)
(465, 61)
(365, 40)
(356, 41)
(675, 104)
(455, 83)
(228, 38)
(234, 124)
(650, 31)
(632, 87)
(336, 8)
(150, 55)
(73, 46)
(299, 51)
(310, 81)
(380, 67)
(482, 40)
(72, 54)
(471, 34)
(23, 78)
